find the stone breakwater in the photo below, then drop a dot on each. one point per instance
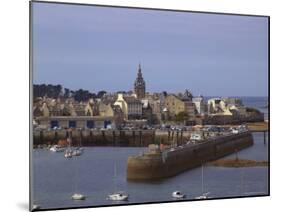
(134, 138)
(172, 161)
(96, 137)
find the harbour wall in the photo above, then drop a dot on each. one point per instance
(137, 138)
(170, 163)
(96, 137)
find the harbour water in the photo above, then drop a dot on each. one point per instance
(102, 170)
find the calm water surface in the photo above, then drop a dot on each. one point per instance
(94, 175)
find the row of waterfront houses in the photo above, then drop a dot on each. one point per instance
(124, 109)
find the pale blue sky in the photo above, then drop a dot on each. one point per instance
(99, 48)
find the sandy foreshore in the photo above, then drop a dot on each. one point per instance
(238, 163)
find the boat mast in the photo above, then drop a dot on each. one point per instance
(69, 139)
(114, 177)
(202, 178)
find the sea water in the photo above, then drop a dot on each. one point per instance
(102, 170)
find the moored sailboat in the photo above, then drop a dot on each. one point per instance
(120, 195)
(76, 195)
(204, 195)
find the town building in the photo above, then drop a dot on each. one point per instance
(189, 108)
(120, 102)
(105, 109)
(226, 106)
(70, 114)
(147, 111)
(154, 101)
(215, 105)
(174, 105)
(134, 107)
(130, 105)
(200, 105)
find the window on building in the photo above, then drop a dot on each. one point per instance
(72, 124)
(54, 124)
(90, 124)
(107, 123)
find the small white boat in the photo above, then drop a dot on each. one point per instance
(36, 207)
(119, 196)
(68, 154)
(203, 196)
(78, 197)
(77, 152)
(235, 131)
(57, 148)
(178, 195)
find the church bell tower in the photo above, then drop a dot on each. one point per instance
(140, 85)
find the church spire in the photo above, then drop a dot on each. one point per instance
(139, 72)
(140, 84)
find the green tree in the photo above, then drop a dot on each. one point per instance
(181, 117)
(252, 110)
(101, 94)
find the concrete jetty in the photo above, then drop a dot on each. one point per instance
(169, 162)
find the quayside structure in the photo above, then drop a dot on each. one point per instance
(157, 163)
